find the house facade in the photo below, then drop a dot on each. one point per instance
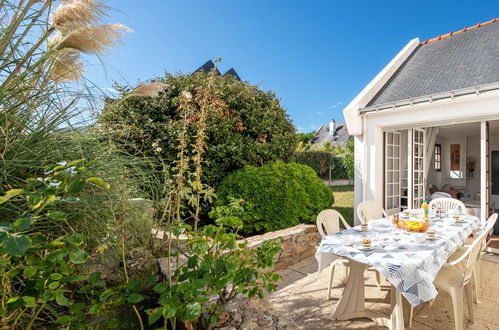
(428, 124)
(333, 133)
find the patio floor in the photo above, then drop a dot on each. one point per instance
(302, 298)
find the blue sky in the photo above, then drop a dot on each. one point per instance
(316, 55)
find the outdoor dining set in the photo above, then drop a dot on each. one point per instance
(418, 255)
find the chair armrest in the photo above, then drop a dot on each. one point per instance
(458, 260)
(343, 221)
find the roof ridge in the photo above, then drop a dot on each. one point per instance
(443, 36)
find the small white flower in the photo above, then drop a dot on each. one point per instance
(187, 95)
(158, 150)
(155, 145)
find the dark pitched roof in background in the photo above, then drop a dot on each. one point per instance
(207, 67)
(467, 58)
(339, 137)
(233, 73)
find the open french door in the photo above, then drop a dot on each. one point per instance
(392, 172)
(416, 174)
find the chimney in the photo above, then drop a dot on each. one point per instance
(332, 126)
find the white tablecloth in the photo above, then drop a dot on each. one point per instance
(410, 266)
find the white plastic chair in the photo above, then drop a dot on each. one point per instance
(370, 210)
(328, 223)
(454, 279)
(447, 204)
(487, 228)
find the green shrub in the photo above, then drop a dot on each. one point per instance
(349, 159)
(282, 195)
(320, 161)
(244, 125)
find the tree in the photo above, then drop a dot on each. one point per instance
(244, 125)
(349, 158)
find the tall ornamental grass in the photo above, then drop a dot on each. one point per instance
(43, 94)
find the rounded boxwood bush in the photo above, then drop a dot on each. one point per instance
(280, 195)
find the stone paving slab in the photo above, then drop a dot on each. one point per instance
(302, 298)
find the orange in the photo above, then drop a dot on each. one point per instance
(423, 227)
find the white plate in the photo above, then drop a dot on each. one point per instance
(433, 239)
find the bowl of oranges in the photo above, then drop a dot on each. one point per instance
(413, 226)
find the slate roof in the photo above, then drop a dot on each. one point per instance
(209, 65)
(463, 59)
(339, 136)
(233, 73)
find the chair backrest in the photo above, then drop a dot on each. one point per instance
(370, 210)
(490, 223)
(328, 222)
(474, 250)
(447, 204)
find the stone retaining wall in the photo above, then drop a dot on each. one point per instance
(297, 243)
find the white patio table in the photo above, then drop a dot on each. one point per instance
(410, 266)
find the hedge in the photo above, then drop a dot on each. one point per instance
(320, 161)
(281, 195)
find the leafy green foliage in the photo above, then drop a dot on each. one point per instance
(215, 265)
(321, 161)
(349, 159)
(282, 195)
(306, 137)
(37, 270)
(244, 125)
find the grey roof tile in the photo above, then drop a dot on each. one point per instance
(467, 59)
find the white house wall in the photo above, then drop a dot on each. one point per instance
(453, 111)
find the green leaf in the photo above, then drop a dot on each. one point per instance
(61, 300)
(192, 311)
(16, 246)
(169, 311)
(23, 223)
(160, 287)
(178, 231)
(75, 239)
(230, 221)
(74, 162)
(192, 262)
(113, 323)
(78, 257)
(54, 285)
(48, 295)
(34, 199)
(94, 277)
(56, 255)
(63, 319)
(29, 301)
(55, 276)
(154, 315)
(30, 271)
(73, 278)
(135, 298)
(75, 187)
(10, 194)
(57, 215)
(100, 183)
